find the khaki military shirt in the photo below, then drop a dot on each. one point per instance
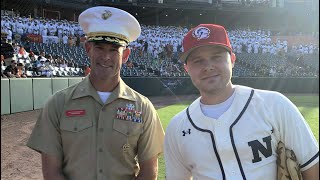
(96, 140)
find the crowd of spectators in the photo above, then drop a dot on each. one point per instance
(155, 53)
(260, 41)
(40, 26)
(160, 40)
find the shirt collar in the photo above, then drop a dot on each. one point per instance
(85, 88)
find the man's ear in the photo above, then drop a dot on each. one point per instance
(185, 67)
(87, 46)
(126, 54)
(233, 58)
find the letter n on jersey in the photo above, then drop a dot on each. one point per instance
(256, 146)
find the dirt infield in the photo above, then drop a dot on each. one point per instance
(18, 162)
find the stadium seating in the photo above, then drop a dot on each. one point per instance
(146, 63)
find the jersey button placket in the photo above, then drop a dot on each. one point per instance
(221, 138)
(234, 170)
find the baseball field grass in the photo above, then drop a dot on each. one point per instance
(308, 105)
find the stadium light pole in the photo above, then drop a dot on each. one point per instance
(157, 16)
(4, 5)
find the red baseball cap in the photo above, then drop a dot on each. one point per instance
(204, 35)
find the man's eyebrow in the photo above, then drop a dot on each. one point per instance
(195, 57)
(102, 43)
(99, 43)
(212, 54)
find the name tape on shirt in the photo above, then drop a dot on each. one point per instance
(71, 113)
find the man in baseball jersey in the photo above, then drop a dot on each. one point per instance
(231, 131)
(100, 128)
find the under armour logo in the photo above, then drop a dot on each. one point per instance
(186, 132)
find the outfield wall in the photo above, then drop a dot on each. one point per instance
(179, 86)
(18, 95)
(26, 94)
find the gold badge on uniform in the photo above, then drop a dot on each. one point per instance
(106, 15)
(130, 106)
(129, 114)
(125, 147)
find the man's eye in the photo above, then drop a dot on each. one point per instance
(197, 61)
(218, 58)
(98, 47)
(116, 50)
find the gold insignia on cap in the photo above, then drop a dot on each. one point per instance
(106, 14)
(108, 36)
(109, 39)
(97, 38)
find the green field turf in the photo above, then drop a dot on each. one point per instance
(307, 104)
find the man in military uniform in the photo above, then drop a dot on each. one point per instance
(79, 133)
(20, 27)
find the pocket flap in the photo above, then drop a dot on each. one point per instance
(75, 124)
(127, 128)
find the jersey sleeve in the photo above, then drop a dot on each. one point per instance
(175, 167)
(150, 143)
(45, 136)
(296, 133)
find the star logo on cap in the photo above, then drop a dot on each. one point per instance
(106, 14)
(201, 33)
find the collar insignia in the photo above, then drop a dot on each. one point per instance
(130, 106)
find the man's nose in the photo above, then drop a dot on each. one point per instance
(106, 56)
(209, 65)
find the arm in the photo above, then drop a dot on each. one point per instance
(51, 167)
(45, 137)
(311, 173)
(148, 169)
(150, 143)
(297, 136)
(9, 74)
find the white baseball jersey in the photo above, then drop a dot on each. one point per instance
(241, 143)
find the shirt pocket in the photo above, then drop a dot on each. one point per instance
(127, 128)
(75, 124)
(126, 133)
(76, 133)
